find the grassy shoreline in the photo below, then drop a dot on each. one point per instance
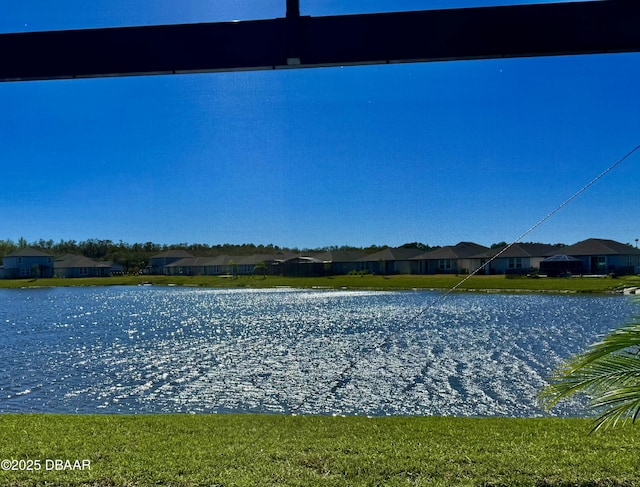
(239, 450)
(395, 282)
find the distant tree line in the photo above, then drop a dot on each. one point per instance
(504, 244)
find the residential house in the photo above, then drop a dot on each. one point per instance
(224, 264)
(299, 266)
(340, 261)
(27, 262)
(263, 263)
(452, 259)
(80, 266)
(518, 258)
(199, 266)
(159, 262)
(245, 265)
(601, 257)
(392, 261)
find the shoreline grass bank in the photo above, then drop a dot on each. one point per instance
(378, 282)
(242, 450)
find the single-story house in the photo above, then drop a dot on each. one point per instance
(224, 264)
(27, 262)
(392, 261)
(199, 266)
(80, 266)
(260, 263)
(452, 259)
(247, 265)
(601, 256)
(340, 261)
(299, 266)
(519, 258)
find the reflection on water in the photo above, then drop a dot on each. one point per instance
(146, 349)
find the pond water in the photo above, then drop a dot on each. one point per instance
(165, 350)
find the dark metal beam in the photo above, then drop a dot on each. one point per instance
(298, 41)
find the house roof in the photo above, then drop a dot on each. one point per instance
(200, 261)
(392, 254)
(340, 256)
(598, 246)
(226, 259)
(251, 259)
(28, 252)
(71, 260)
(523, 250)
(461, 250)
(266, 258)
(172, 254)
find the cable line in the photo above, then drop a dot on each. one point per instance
(343, 378)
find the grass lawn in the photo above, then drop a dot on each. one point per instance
(239, 450)
(475, 283)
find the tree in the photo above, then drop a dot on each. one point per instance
(260, 268)
(7, 246)
(608, 373)
(415, 245)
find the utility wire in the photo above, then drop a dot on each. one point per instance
(343, 378)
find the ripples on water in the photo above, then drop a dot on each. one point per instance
(156, 350)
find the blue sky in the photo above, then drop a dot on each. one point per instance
(433, 152)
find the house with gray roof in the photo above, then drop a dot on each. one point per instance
(519, 258)
(392, 261)
(601, 256)
(72, 265)
(299, 266)
(452, 259)
(340, 261)
(199, 266)
(225, 264)
(27, 263)
(159, 262)
(269, 263)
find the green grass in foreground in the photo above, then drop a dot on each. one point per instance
(247, 450)
(475, 283)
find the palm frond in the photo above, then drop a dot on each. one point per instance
(621, 405)
(620, 370)
(624, 338)
(609, 373)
